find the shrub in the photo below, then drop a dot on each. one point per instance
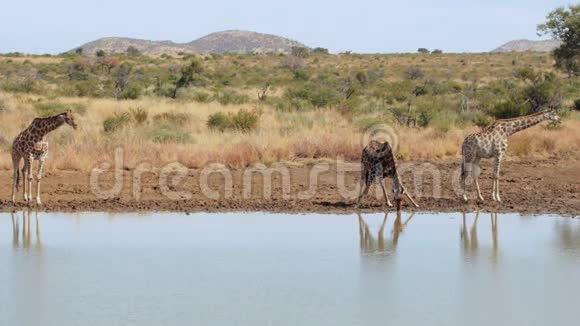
(231, 97)
(544, 94)
(577, 104)
(320, 50)
(243, 121)
(133, 51)
(169, 134)
(132, 92)
(424, 118)
(482, 120)
(413, 73)
(299, 51)
(3, 106)
(139, 115)
(525, 73)
(437, 51)
(26, 85)
(318, 95)
(116, 122)
(423, 50)
(301, 74)
(509, 109)
(172, 118)
(201, 97)
(47, 109)
(219, 121)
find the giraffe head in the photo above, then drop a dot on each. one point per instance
(68, 118)
(551, 115)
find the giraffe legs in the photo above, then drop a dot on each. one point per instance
(476, 170)
(364, 188)
(465, 172)
(16, 175)
(495, 191)
(382, 183)
(25, 171)
(38, 178)
(30, 178)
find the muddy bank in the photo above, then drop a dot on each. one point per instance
(546, 186)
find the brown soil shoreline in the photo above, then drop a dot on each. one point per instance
(549, 186)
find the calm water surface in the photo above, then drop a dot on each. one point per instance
(270, 269)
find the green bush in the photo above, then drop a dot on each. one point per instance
(139, 115)
(243, 121)
(301, 74)
(48, 109)
(482, 120)
(131, 93)
(318, 95)
(169, 134)
(424, 118)
(3, 106)
(116, 122)
(27, 85)
(172, 118)
(219, 121)
(201, 97)
(230, 97)
(577, 104)
(508, 109)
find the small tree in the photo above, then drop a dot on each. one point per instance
(564, 25)
(109, 64)
(188, 73)
(79, 51)
(122, 79)
(100, 53)
(299, 51)
(413, 73)
(437, 51)
(133, 51)
(320, 50)
(423, 50)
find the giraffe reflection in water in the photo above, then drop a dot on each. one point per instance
(369, 244)
(23, 238)
(470, 239)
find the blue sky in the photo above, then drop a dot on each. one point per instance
(366, 26)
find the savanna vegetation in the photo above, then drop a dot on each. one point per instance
(241, 109)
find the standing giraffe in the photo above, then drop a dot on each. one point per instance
(378, 163)
(31, 144)
(492, 142)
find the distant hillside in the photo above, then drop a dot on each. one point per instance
(243, 42)
(528, 45)
(220, 42)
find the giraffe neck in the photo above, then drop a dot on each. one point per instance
(519, 124)
(43, 126)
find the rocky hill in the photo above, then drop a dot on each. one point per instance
(220, 42)
(528, 45)
(243, 42)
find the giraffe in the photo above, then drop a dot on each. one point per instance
(378, 163)
(31, 144)
(492, 142)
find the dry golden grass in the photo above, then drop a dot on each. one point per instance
(323, 134)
